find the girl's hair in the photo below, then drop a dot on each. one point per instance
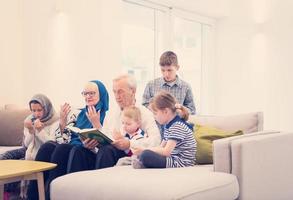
(165, 100)
(133, 113)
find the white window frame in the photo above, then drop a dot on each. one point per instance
(207, 104)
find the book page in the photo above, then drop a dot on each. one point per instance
(78, 130)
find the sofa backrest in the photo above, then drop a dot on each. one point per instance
(11, 125)
(248, 123)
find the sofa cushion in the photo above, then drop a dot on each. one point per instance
(248, 123)
(205, 136)
(125, 183)
(3, 149)
(11, 123)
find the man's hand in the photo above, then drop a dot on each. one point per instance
(90, 143)
(137, 150)
(121, 144)
(94, 117)
(117, 135)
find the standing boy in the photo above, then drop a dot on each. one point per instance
(170, 82)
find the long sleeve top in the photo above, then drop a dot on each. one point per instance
(34, 141)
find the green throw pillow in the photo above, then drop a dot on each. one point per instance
(204, 136)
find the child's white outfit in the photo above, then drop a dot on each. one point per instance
(139, 138)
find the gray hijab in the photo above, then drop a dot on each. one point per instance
(49, 112)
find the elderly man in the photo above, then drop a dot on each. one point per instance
(124, 88)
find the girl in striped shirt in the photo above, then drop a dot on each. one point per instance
(178, 146)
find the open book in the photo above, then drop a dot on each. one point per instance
(91, 133)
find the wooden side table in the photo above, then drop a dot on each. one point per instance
(17, 170)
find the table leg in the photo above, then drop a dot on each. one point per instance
(1, 191)
(41, 188)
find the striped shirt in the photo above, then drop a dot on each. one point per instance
(183, 155)
(180, 89)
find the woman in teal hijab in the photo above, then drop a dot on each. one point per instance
(97, 99)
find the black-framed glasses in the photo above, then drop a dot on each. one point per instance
(90, 93)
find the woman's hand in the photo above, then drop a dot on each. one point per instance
(29, 125)
(38, 125)
(64, 111)
(90, 143)
(94, 117)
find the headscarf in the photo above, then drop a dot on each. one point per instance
(49, 115)
(82, 120)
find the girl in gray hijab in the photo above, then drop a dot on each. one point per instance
(40, 126)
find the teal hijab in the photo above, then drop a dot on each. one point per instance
(103, 105)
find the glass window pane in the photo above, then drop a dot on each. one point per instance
(188, 47)
(138, 44)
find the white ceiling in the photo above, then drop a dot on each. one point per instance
(210, 8)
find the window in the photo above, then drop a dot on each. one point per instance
(139, 43)
(148, 30)
(187, 45)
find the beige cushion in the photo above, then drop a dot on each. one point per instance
(205, 136)
(126, 183)
(12, 107)
(3, 149)
(11, 126)
(248, 123)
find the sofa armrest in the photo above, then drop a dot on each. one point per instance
(222, 151)
(263, 165)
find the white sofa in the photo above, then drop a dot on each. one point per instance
(251, 166)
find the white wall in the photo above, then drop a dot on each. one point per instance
(11, 79)
(68, 43)
(60, 44)
(254, 61)
(55, 46)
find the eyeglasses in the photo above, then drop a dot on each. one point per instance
(90, 94)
